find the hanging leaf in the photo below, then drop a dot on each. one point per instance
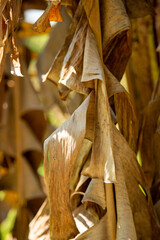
(145, 220)
(138, 8)
(36, 231)
(56, 38)
(115, 36)
(139, 73)
(102, 160)
(54, 72)
(125, 112)
(55, 14)
(73, 62)
(95, 193)
(61, 150)
(148, 129)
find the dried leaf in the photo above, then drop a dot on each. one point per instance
(54, 72)
(31, 109)
(92, 66)
(55, 14)
(148, 128)
(30, 184)
(71, 71)
(96, 193)
(139, 73)
(61, 151)
(138, 8)
(82, 218)
(125, 229)
(115, 36)
(98, 231)
(102, 160)
(14, 18)
(7, 130)
(56, 39)
(155, 190)
(125, 112)
(36, 231)
(92, 12)
(43, 22)
(81, 158)
(144, 218)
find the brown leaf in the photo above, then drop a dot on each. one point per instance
(124, 108)
(30, 183)
(96, 193)
(98, 231)
(54, 72)
(115, 36)
(92, 66)
(81, 158)
(125, 229)
(92, 12)
(61, 151)
(102, 160)
(83, 219)
(155, 189)
(36, 231)
(31, 108)
(43, 22)
(148, 128)
(14, 14)
(55, 14)
(71, 71)
(139, 73)
(138, 8)
(144, 218)
(57, 39)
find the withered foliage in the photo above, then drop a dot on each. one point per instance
(95, 186)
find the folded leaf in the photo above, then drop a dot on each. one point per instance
(102, 160)
(73, 62)
(124, 109)
(61, 151)
(115, 36)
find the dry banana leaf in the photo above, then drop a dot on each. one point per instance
(43, 22)
(139, 73)
(102, 160)
(145, 220)
(31, 109)
(138, 8)
(57, 39)
(54, 72)
(36, 231)
(124, 109)
(96, 193)
(125, 229)
(29, 141)
(115, 36)
(92, 11)
(30, 183)
(83, 219)
(92, 66)
(148, 129)
(98, 231)
(71, 71)
(80, 161)
(156, 158)
(14, 14)
(7, 131)
(61, 151)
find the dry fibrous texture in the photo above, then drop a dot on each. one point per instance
(95, 187)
